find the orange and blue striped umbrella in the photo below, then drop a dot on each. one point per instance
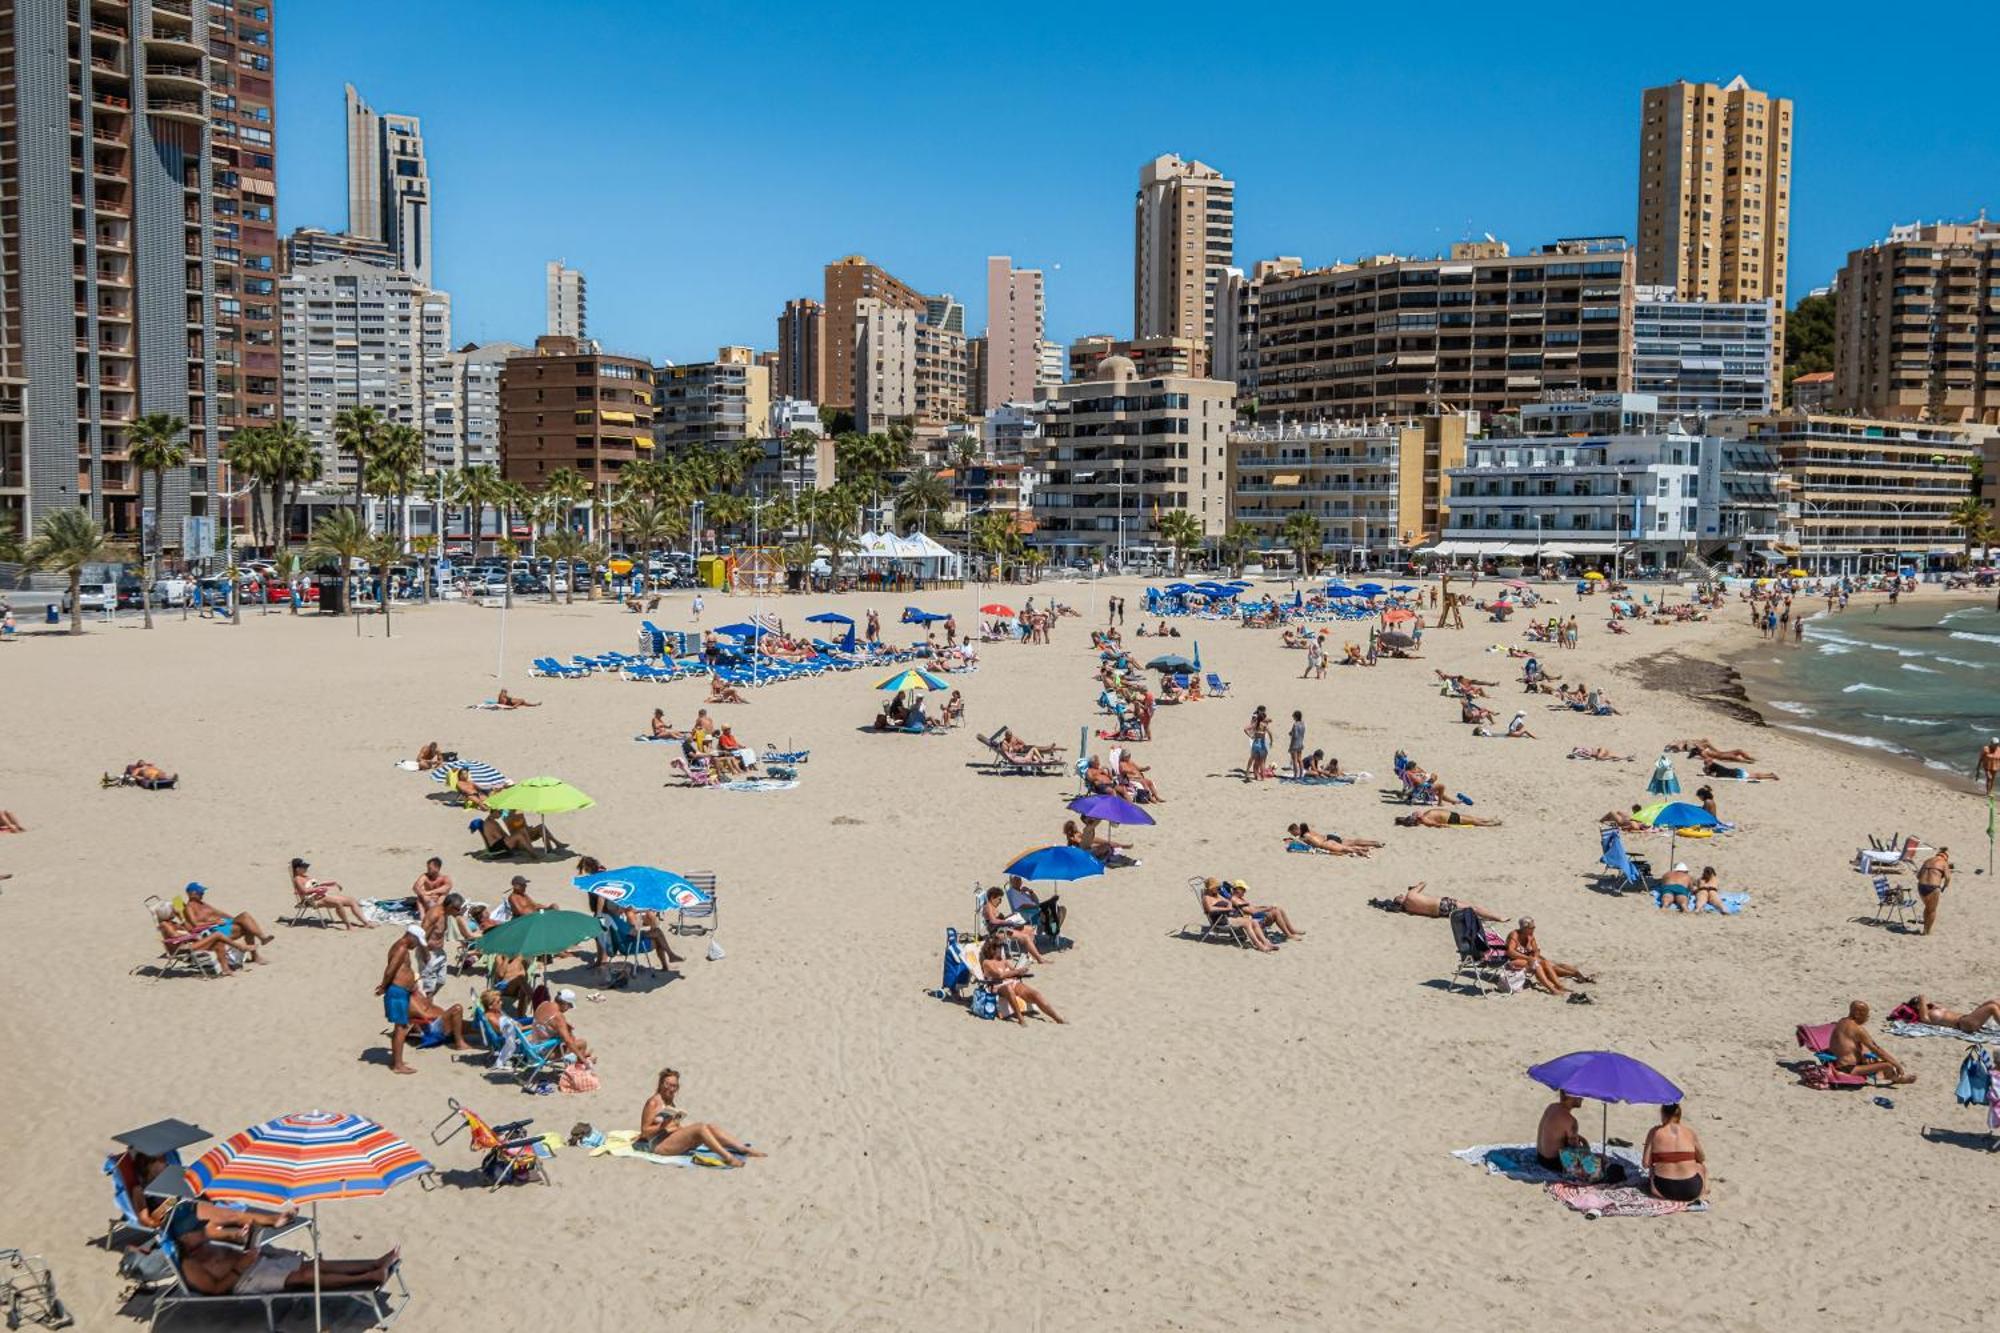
(306, 1157)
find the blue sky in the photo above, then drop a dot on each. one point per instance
(702, 162)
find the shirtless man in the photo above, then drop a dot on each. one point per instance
(552, 1020)
(1985, 1016)
(1557, 1131)
(398, 985)
(1855, 1050)
(1435, 818)
(1023, 752)
(216, 1267)
(1524, 954)
(206, 920)
(518, 901)
(665, 1130)
(662, 730)
(1416, 902)
(431, 887)
(1933, 878)
(1739, 772)
(1134, 775)
(1989, 763)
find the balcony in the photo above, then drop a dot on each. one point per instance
(183, 78)
(189, 111)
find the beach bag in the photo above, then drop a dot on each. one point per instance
(578, 1078)
(985, 1004)
(146, 1265)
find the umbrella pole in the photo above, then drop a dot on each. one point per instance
(319, 1325)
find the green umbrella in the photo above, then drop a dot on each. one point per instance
(538, 933)
(539, 796)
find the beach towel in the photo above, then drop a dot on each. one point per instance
(665, 740)
(1296, 846)
(618, 1143)
(1618, 1201)
(759, 784)
(1517, 1161)
(1341, 781)
(389, 911)
(1902, 1028)
(1732, 903)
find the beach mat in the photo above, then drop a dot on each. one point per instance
(1899, 1028)
(1517, 1161)
(1617, 1201)
(618, 1143)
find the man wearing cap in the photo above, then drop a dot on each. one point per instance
(207, 920)
(518, 901)
(1989, 763)
(552, 1020)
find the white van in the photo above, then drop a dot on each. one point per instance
(171, 592)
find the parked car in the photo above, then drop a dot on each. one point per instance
(94, 595)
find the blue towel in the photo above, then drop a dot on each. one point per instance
(1732, 903)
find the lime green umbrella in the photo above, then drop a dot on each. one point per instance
(539, 796)
(538, 933)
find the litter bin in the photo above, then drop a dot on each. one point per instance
(52, 614)
(332, 595)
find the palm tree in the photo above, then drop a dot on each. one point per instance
(999, 537)
(155, 442)
(1303, 533)
(647, 525)
(565, 489)
(68, 540)
(474, 489)
(423, 548)
(749, 453)
(1237, 543)
(248, 453)
(343, 537)
(12, 551)
(834, 519)
(570, 547)
(397, 461)
(1974, 522)
(925, 494)
(1182, 531)
(294, 461)
(512, 497)
(355, 431)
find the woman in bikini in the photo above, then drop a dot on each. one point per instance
(662, 730)
(1010, 983)
(1673, 1158)
(1707, 891)
(1327, 842)
(346, 910)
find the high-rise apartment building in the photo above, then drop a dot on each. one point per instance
(243, 153)
(1917, 325)
(712, 404)
(975, 372)
(306, 246)
(1050, 366)
(1715, 192)
(1151, 357)
(567, 308)
(1124, 450)
(1233, 352)
(112, 257)
(1015, 321)
(567, 404)
(462, 405)
(357, 336)
(884, 356)
(1184, 238)
(848, 281)
(801, 351)
(389, 184)
(1480, 330)
(1702, 358)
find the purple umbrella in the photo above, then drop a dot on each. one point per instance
(1111, 809)
(1606, 1076)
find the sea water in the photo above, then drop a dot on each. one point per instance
(1919, 681)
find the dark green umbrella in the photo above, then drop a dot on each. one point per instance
(538, 933)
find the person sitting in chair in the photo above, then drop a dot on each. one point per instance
(325, 892)
(997, 917)
(204, 919)
(177, 936)
(1222, 909)
(220, 1258)
(1010, 985)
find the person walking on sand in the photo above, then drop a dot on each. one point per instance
(695, 606)
(1933, 878)
(1989, 763)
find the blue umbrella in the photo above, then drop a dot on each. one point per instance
(1342, 594)
(1370, 589)
(1055, 863)
(1170, 662)
(1679, 815)
(1298, 598)
(1606, 1076)
(1663, 782)
(642, 889)
(835, 618)
(1113, 809)
(739, 631)
(1197, 656)
(1404, 587)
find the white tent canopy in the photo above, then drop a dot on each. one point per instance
(918, 554)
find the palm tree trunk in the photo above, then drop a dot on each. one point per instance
(76, 600)
(150, 560)
(382, 576)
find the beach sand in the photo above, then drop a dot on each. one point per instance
(1218, 1140)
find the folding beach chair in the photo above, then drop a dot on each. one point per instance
(518, 1053)
(511, 1157)
(1628, 870)
(1217, 686)
(178, 958)
(623, 946)
(308, 906)
(380, 1300)
(1205, 927)
(1008, 943)
(698, 916)
(1479, 958)
(1815, 1038)
(1893, 902)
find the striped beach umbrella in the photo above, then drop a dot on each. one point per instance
(303, 1158)
(483, 775)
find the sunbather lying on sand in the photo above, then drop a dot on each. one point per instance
(1599, 752)
(1711, 769)
(1329, 842)
(1435, 818)
(1706, 748)
(506, 700)
(1416, 902)
(1855, 1050)
(1026, 752)
(1983, 1016)
(144, 773)
(1623, 822)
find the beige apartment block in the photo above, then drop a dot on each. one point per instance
(848, 281)
(1377, 489)
(1917, 326)
(1123, 449)
(1015, 312)
(1480, 330)
(1183, 240)
(1715, 191)
(712, 404)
